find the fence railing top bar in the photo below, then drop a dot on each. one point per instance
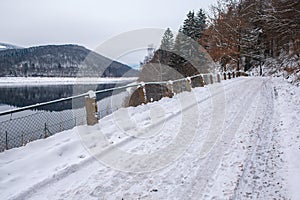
(178, 80)
(194, 76)
(156, 82)
(117, 88)
(11, 111)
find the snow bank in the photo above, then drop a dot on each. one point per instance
(21, 168)
(256, 148)
(285, 66)
(288, 131)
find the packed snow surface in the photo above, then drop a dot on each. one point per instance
(238, 139)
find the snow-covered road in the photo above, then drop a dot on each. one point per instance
(234, 140)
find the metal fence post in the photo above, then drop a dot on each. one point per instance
(22, 138)
(91, 108)
(45, 131)
(6, 140)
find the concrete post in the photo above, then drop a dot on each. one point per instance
(188, 84)
(91, 108)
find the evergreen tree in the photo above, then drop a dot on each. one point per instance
(167, 41)
(189, 26)
(200, 23)
(176, 58)
(187, 46)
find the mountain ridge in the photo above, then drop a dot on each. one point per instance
(5, 46)
(68, 60)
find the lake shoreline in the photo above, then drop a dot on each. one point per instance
(34, 81)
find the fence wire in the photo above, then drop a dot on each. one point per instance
(18, 131)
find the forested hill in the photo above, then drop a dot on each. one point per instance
(60, 61)
(4, 46)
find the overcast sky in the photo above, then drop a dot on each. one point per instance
(87, 22)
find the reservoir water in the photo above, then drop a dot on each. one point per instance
(19, 128)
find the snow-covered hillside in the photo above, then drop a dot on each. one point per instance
(4, 46)
(237, 139)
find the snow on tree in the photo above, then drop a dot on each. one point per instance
(167, 41)
(246, 33)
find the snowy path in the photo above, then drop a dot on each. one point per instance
(218, 142)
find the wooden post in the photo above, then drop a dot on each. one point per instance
(201, 81)
(211, 79)
(229, 75)
(233, 75)
(142, 94)
(91, 109)
(218, 78)
(170, 88)
(188, 84)
(224, 76)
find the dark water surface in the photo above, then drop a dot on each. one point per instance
(19, 128)
(29, 95)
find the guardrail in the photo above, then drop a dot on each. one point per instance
(18, 131)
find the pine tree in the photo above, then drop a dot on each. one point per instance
(167, 41)
(200, 24)
(176, 59)
(189, 26)
(187, 45)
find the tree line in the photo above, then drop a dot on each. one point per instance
(240, 35)
(246, 33)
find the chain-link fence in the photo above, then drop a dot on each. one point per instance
(17, 129)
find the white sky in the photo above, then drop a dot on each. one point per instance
(87, 22)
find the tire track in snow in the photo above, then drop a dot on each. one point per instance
(257, 180)
(131, 179)
(213, 158)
